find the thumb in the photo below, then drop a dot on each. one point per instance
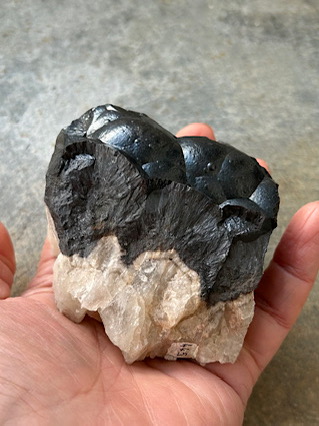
(40, 287)
(7, 263)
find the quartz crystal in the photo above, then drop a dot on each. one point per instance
(161, 238)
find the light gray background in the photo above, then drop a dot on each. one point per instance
(249, 68)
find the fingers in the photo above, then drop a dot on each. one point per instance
(7, 263)
(263, 164)
(45, 266)
(197, 129)
(285, 285)
(40, 287)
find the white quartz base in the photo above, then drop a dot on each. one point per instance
(151, 308)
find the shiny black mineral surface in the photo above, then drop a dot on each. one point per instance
(118, 172)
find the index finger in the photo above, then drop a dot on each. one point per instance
(197, 129)
(7, 262)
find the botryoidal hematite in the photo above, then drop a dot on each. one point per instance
(162, 238)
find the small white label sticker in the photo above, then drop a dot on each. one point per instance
(182, 350)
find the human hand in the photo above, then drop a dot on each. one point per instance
(53, 371)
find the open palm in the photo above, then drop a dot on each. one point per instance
(53, 371)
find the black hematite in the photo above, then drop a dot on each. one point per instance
(117, 172)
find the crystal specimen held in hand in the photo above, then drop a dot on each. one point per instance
(162, 238)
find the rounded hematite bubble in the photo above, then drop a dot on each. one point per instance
(118, 172)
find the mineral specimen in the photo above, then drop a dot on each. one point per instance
(162, 238)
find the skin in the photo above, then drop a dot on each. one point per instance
(54, 372)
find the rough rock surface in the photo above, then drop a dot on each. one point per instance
(164, 237)
(151, 308)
